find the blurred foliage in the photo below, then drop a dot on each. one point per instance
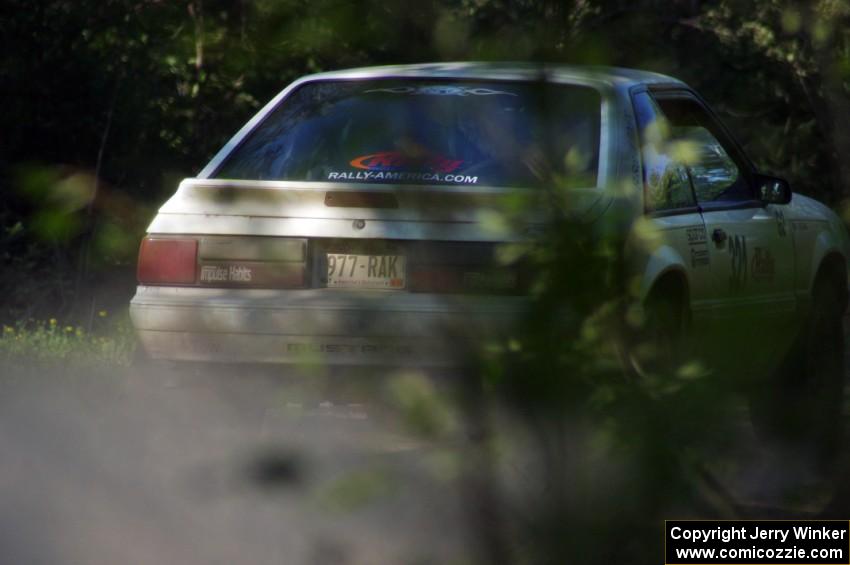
(618, 450)
(355, 490)
(426, 411)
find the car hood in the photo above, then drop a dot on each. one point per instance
(283, 208)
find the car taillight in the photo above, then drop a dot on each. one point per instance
(167, 261)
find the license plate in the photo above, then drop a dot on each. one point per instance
(366, 271)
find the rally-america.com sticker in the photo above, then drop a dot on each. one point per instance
(400, 167)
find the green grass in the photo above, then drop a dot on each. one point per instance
(107, 341)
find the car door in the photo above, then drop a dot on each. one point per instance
(750, 251)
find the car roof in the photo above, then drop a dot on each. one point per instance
(616, 77)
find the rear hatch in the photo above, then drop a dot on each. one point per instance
(384, 184)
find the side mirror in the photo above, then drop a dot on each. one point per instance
(773, 190)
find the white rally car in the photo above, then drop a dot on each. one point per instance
(356, 217)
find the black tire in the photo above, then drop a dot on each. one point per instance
(800, 409)
(660, 347)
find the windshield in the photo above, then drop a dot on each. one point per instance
(426, 132)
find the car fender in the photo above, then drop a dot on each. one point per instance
(662, 261)
(830, 236)
(826, 244)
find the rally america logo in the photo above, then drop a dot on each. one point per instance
(396, 166)
(397, 161)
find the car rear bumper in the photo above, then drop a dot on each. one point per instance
(329, 326)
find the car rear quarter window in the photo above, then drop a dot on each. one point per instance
(426, 132)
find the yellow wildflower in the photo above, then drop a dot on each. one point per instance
(69, 329)
(102, 313)
(52, 321)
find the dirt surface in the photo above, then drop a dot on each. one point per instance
(246, 465)
(192, 467)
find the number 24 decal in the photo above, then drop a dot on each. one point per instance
(738, 256)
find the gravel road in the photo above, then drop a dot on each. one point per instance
(243, 465)
(234, 466)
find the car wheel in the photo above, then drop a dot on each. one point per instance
(800, 410)
(659, 349)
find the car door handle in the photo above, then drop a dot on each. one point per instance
(718, 236)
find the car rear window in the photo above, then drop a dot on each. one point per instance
(426, 132)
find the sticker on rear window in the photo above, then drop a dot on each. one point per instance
(441, 90)
(401, 176)
(397, 166)
(398, 161)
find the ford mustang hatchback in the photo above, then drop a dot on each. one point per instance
(358, 218)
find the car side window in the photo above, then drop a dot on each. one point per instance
(665, 176)
(704, 151)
